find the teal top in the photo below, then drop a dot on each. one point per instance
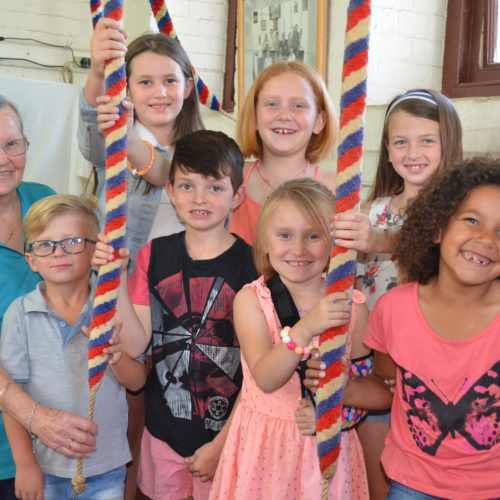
(16, 279)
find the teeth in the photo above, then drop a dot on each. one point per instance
(283, 131)
(298, 263)
(475, 259)
(200, 212)
(415, 168)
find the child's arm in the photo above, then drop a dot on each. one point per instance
(203, 463)
(140, 155)
(29, 476)
(271, 367)
(130, 373)
(136, 319)
(107, 42)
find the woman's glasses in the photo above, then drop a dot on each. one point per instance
(44, 248)
(16, 147)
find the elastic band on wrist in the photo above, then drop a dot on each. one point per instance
(291, 345)
(147, 168)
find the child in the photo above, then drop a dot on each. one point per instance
(288, 123)
(165, 105)
(439, 334)
(182, 293)
(43, 346)
(421, 136)
(265, 455)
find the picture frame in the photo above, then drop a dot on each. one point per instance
(273, 30)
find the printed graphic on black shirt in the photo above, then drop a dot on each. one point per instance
(195, 357)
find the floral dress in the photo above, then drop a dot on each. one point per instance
(379, 271)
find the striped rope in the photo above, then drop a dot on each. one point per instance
(165, 25)
(343, 261)
(108, 280)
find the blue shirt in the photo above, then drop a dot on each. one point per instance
(16, 278)
(53, 366)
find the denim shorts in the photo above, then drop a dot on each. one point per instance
(399, 491)
(107, 486)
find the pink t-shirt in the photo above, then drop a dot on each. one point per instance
(445, 423)
(138, 285)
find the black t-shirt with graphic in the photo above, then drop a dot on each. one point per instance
(196, 373)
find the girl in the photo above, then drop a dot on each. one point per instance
(265, 455)
(160, 85)
(287, 122)
(421, 136)
(439, 334)
(165, 103)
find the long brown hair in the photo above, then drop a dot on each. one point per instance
(387, 181)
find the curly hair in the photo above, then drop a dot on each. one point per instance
(430, 213)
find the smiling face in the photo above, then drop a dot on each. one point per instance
(203, 203)
(11, 168)
(157, 87)
(295, 247)
(287, 115)
(414, 148)
(470, 244)
(60, 267)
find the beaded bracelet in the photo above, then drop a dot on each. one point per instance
(291, 345)
(147, 168)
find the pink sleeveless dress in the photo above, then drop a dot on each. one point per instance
(244, 219)
(265, 456)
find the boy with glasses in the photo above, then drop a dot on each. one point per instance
(44, 346)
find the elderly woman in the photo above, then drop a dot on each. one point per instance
(67, 433)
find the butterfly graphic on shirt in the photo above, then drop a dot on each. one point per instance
(475, 415)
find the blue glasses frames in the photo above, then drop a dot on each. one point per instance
(44, 248)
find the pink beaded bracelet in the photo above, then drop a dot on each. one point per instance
(291, 345)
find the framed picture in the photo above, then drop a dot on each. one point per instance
(279, 30)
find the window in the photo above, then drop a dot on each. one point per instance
(472, 49)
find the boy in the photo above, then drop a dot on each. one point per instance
(43, 345)
(182, 292)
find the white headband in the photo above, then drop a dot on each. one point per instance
(421, 95)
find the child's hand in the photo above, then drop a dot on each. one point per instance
(203, 463)
(353, 230)
(329, 312)
(305, 417)
(105, 253)
(107, 42)
(315, 371)
(390, 383)
(29, 482)
(114, 351)
(107, 113)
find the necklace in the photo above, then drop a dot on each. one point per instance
(262, 175)
(14, 227)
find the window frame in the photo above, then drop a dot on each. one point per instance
(468, 70)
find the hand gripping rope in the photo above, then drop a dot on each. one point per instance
(343, 261)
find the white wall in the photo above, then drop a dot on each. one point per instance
(407, 39)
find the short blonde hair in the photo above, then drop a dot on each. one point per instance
(320, 144)
(42, 212)
(308, 196)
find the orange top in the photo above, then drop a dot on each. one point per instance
(244, 218)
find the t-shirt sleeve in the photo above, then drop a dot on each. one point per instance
(138, 285)
(13, 344)
(375, 336)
